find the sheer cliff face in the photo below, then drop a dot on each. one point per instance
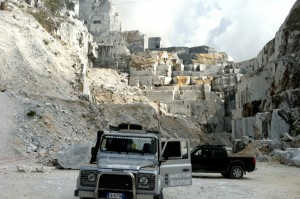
(288, 36)
(283, 52)
(286, 41)
(272, 79)
(276, 68)
(287, 49)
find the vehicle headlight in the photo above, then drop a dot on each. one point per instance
(91, 177)
(88, 177)
(144, 181)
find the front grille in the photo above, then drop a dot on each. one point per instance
(114, 181)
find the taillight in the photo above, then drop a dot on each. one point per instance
(254, 161)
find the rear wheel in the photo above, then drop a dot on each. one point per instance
(236, 172)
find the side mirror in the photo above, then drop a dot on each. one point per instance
(94, 150)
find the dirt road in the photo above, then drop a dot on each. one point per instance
(271, 181)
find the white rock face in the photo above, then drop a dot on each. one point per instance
(104, 24)
(279, 126)
(99, 16)
(103, 18)
(75, 34)
(47, 62)
(270, 84)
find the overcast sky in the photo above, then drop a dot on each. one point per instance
(238, 27)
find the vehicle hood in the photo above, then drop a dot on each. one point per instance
(128, 164)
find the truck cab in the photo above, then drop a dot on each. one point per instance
(214, 159)
(132, 162)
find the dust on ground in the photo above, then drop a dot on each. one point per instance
(271, 180)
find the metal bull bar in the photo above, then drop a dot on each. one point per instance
(133, 189)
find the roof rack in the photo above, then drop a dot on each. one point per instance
(126, 126)
(216, 145)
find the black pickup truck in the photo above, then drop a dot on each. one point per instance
(214, 159)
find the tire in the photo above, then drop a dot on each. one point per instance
(226, 175)
(160, 196)
(236, 172)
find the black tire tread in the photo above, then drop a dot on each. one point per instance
(232, 172)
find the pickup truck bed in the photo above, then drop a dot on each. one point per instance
(214, 159)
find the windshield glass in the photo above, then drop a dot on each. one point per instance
(129, 144)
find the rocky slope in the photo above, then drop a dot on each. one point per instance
(43, 110)
(38, 77)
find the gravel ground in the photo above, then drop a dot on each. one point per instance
(271, 180)
(8, 111)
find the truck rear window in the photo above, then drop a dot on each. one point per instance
(217, 153)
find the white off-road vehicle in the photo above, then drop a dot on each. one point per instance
(132, 162)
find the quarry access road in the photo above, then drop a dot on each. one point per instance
(271, 181)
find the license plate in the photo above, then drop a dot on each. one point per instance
(114, 195)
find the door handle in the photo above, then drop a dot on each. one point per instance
(185, 169)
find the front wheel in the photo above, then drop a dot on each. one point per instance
(236, 172)
(160, 196)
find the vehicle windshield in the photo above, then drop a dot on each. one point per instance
(127, 144)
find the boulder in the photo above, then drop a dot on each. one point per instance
(296, 158)
(2, 88)
(75, 156)
(283, 157)
(287, 138)
(31, 148)
(296, 142)
(276, 144)
(291, 156)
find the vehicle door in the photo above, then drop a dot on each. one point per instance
(219, 160)
(201, 159)
(175, 163)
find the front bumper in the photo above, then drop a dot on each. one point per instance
(84, 194)
(91, 194)
(114, 182)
